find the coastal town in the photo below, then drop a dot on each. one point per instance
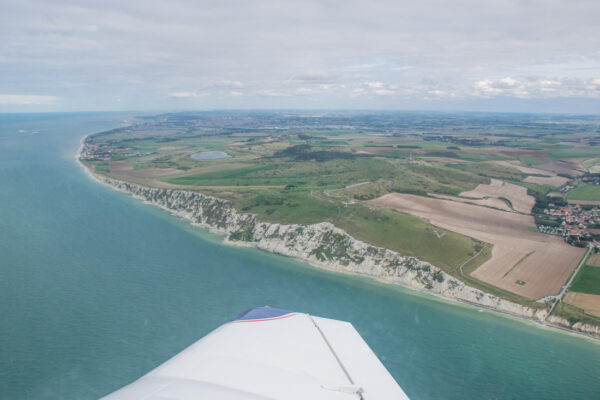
(578, 222)
(103, 152)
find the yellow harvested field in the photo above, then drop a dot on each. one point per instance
(594, 169)
(549, 178)
(540, 263)
(594, 260)
(590, 303)
(498, 189)
(563, 167)
(556, 181)
(585, 202)
(527, 170)
(487, 202)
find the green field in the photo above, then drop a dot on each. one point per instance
(404, 233)
(284, 172)
(585, 192)
(408, 235)
(286, 206)
(587, 280)
(100, 166)
(573, 153)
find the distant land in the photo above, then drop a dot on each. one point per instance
(497, 210)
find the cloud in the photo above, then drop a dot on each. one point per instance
(322, 78)
(384, 92)
(373, 89)
(356, 92)
(374, 85)
(273, 93)
(184, 95)
(337, 52)
(538, 87)
(27, 100)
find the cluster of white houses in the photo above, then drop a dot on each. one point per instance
(575, 222)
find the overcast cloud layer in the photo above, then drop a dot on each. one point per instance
(132, 55)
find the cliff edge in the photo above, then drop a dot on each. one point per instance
(325, 246)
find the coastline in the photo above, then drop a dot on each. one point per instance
(275, 238)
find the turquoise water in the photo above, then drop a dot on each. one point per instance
(210, 155)
(97, 288)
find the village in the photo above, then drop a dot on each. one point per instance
(103, 152)
(578, 224)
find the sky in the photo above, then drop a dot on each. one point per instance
(491, 55)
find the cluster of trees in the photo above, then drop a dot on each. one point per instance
(471, 141)
(543, 202)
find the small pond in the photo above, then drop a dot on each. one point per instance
(210, 155)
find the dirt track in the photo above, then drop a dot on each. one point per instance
(542, 262)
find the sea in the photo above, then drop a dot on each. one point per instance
(97, 288)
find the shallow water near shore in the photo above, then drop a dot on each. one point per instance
(97, 288)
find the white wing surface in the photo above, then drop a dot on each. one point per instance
(270, 353)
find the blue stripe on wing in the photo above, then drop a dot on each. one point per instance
(261, 313)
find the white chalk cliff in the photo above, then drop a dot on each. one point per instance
(325, 246)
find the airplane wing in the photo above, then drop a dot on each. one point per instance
(271, 353)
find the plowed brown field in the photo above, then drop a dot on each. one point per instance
(594, 260)
(516, 194)
(540, 263)
(556, 181)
